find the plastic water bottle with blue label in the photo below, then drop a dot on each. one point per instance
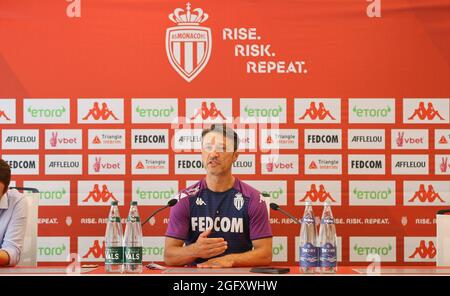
(113, 241)
(327, 242)
(308, 245)
(133, 241)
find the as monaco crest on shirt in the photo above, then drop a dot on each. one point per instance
(188, 45)
(238, 201)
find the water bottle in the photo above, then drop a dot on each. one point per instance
(308, 245)
(327, 242)
(113, 241)
(133, 241)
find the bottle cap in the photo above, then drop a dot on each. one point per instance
(133, 203)
(114, 203)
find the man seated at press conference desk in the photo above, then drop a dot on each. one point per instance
(13, 219)
(219, 221)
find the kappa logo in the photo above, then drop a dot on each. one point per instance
(98, 113)
(188, 45)
(96, 250)
(424, 251)
(4, 115)
(444, 165)
(200, 202)
(428, 113)
(315, 195)
(314, 113)
(423, 195)
(98, 195)
(212, 112)
(239, 201)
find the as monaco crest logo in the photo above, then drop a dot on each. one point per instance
(238, 201)
(188, 45)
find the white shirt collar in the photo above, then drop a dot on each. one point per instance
(4, 202)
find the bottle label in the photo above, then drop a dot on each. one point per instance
(327, 220)
(133, 219)
(328, 255)
(133, 255)
(308, 255)
(114, 219)
(308, 220)
(113, 255)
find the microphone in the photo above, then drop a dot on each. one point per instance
(170, 203)
(276, 207)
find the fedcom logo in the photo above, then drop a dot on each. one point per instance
(51, 193)
(209, 110)
(276, 164)
(46, 111)
(149, 139)
(426, 111)
(317, 164)
(323, 139)
(372, 193)
(20, 139)
(263, 110)
(277, 190)
(63, 139)
(317, 192)
(380, 110)
(420, 249)
(22, 164)
(190, 164)
(100, 111)
(359, 164)
(7, 111)
(362, 247)
(91, 248)
(426, 193)
(66, 164)
(317, 110)
(53, 248)
(150, 164)
(100, 193)
(154, 193)
(366, 139)
(154, 110)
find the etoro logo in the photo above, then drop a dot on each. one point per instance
(426, 193)
(279, 249)
(277, 190)
(91, 248)
(152, 193)
(46, 110)
(100, 110)
(372, 193)
(426, 110)
(317, 110)
(51, 193)
(263, 110)
(53, 248)
(363, 247)
(100, 192)
(380, 110)
(188, 45)
(153, 248)
(420, 249)
(154, 110)
(318, 192)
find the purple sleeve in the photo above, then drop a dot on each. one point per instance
(179, 220)
(259, 219)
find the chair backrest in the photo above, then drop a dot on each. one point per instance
(28, 256)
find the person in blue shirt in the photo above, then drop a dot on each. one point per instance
(219, 221)
(13, 219)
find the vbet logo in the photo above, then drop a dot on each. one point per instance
(426, 193)
(189, 164)
(317, 192)
(91, 248)
(150, 164)
(22, 164)
(338, 248)
(7, 111)
(409, 164)
(149, 139)
(372, 193)
(409, 139)
(244, 165)
(365, 164)
(53, 249)
(187, 139)
(247, 139)
(63, 139)
(20, 139)
(153, 248)
(380, 110)
(279, 164)
(188, 45)
(426, 111)
(362, 249)
(263, 110)
(442, 138)
(442, 164)
(420, 249)
(317, 110)
(366, 139)
(154, 193)
(277, 190)
(100, 111)
(63, 164)
(279, 249)
(278, 139)
(204, 110)
(317, 164)
(46, 111)
(106, 139)
(107, 164)
(100, 193)
(51, 193)
(154, 110)
(323, 139)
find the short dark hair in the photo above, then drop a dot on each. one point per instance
(226, 131)
(5, 174)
